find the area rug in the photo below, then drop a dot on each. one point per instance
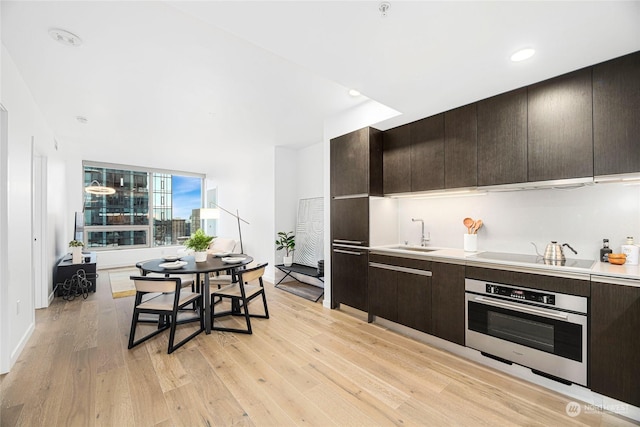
(121, 285)
(304, 290)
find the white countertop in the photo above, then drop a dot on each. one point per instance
(626, 274)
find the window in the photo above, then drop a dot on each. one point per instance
(149, 208)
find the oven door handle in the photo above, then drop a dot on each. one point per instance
(521, 308)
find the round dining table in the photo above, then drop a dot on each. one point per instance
(212, 265)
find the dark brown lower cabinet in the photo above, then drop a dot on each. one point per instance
(383, 293)
(414, 301)
(447, 287)
(614, 365)
(349, 284)
(403, 297)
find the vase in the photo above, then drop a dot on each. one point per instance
(201, 256)
(287, 261)
(76, 255)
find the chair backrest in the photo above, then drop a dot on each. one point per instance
(222, 245)
(252, 274)
(156, 284)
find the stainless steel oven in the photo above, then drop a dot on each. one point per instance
(542, 330)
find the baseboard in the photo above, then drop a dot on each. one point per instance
(15, 354)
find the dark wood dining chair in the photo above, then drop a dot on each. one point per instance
(248, 286)
(171, 298)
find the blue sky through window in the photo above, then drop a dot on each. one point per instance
(186, 194)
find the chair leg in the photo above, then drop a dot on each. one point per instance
(172, 333)
(134, 323)
(247, 316)
(264, 301)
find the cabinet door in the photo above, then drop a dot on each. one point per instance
(560, 128)
(427, 154)
(356, 163)
(349, 278)
(414, 301)
(461, 147)
(615, 345)
(616, 126)
(502, 138)
(383, 293)
(350, 220)
(448, 301)
(397, 160)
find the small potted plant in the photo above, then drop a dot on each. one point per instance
(199, 242)
(76, 251)
(286, 241)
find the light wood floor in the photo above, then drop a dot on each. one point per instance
(307, 365)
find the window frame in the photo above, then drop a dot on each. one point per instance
(150, 226)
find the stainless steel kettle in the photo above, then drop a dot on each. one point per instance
(553, 251)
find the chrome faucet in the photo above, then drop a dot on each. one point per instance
(423, 240)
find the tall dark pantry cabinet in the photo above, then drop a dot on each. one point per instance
(356, 174)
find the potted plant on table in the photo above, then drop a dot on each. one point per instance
(286, 241)
(199, 242)
(76, 251)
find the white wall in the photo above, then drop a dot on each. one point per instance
(581, 217)
(248, 185)
(310, 173)
(24, 122)
(285, 195)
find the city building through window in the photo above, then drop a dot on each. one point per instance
(149, 208)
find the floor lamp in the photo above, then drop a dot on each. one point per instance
(213, 212)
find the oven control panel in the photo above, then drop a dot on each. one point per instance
(521, 294)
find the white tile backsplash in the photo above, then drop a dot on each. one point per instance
(581, 217)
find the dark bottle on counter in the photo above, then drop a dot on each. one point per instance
(605, 251)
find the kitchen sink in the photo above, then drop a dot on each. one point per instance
(413, 248)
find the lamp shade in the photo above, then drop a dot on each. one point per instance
(209, 213)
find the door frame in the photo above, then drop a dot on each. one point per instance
(5, 356)
(39, 212)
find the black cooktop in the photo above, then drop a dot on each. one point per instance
(534, 259)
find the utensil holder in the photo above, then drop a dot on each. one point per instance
(470, 242)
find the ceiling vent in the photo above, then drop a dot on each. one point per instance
(65, 37)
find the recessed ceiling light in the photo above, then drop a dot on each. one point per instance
(354, 93)
(82, 119)
(65, 37)
(523, 54)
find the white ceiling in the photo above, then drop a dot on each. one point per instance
(241, 74)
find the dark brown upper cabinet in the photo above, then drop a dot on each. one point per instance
(560, 128)
(396, 160)
(502, 138)
(356, 163)
(427, 153)
(616, 123)
(350, 220)
(461, 147)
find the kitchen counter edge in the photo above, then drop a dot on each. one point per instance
(628, 275)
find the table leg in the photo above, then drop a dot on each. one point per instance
(287, 274)
(207, 304)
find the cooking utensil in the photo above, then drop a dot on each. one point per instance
(468, 222)
(477, 226)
